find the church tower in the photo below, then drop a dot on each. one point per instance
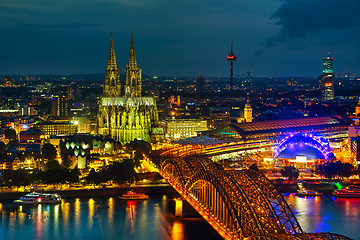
(248, 112)
(111, 86)
(132, 74)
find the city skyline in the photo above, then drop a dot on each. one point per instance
(271, 38)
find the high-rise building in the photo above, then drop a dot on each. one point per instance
(59, 106)
(200, 84)
(326, 82)
(128, 117)
(70, 93)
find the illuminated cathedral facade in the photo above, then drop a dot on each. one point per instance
(128, 116)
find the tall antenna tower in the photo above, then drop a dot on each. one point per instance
(231, 57)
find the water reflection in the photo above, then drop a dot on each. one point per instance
(65, 209)
(327, 214)
(98, 218)
(39, 222)
(91, 206)
(177, 232)
(130, 216)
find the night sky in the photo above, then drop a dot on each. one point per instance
(180, 37)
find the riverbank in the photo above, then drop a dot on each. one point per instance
(86, 192)
(324, 186)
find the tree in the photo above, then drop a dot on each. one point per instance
(2, 152)
(37, 177)
(290, 172)
(74, 176)
(10, 134)
(55, 173)
(335, 169)
(97, 178)
(122, 172)
(49, 151)
(51, 164)
(137, 158)
(254, 167)
(66, 161)
(16, 178)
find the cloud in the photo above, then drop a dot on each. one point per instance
(299, 18)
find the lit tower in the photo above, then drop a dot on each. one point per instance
(111, 86)
(132, 74)
(248, 112)
(327, 79)
(231, 57)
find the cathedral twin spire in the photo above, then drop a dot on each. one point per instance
(112, 87)
(112, 58)
(132, 74)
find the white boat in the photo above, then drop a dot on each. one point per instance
(307, 193)
(36, 198)
(130, 195)
(351, 191)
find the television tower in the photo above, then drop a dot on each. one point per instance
(231, 57)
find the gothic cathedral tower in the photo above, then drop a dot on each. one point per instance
(112, 86)
(128, 117)
(132, 74)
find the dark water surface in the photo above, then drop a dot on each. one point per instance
(112, 218)
(327, 214)
(100, 218)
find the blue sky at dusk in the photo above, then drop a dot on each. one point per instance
(180, 38)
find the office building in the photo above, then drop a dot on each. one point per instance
(326, 82)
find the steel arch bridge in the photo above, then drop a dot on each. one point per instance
(237, 204)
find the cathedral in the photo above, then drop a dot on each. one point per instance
(128, 116)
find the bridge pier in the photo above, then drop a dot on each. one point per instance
(183, 209)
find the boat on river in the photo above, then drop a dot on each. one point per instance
(130, 195)
(36, 198)
(307, 193)
(351, 191)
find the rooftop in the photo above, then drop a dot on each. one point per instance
(287, 124)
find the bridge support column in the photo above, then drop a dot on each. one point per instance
(184, 209)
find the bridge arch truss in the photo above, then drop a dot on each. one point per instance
(237, 204)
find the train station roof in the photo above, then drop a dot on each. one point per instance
(287, 125)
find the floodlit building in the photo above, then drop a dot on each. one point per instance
(246, 115)
(48, 129)
(354, 141)
(248, 112)
(185, 128)
(131, 116)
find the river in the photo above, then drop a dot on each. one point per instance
(100, 218)
(112, 218)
